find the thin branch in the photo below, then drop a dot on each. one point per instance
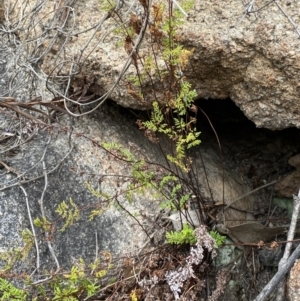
(41, 202)
(180, 8)
(96, 251)
(269, 288)
(33, 230)
(288, 17)
(288, 247)
(71, 146)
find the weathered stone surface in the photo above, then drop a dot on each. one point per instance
(114, 231)
(253, 59)
(213, 180)
(293, 283)
(2, 10)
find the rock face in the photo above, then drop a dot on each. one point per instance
(113, 231)
(252, 58)
(2, 9)
(293, 285)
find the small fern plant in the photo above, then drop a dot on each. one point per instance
(8, 292)
(218, 238)
(185, 236)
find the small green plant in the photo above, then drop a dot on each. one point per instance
(74, 285)
(80, 283)
(69, 212)
(10, 257)
(185, 236)
(9, 292)
(173, 115)
(219, 239)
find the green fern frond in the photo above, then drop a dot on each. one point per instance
(97, 193)
(185, 236)
(28, 239)
(69, 212)
(167, 179)
(9, 292)
(219, 239)
(183, 200)
(119, 150)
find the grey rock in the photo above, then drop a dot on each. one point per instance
(113, 231)
(271, 257)
(228, 255)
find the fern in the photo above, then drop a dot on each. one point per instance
(185, 236)
(219, 239)
(119, 151)
(9, 258)
(74, 284)
(28, 239)
(184, 57)
(69, 212)
(9, 292)
(107, 5)
(185, 98)
(183, 200)
(99, 195)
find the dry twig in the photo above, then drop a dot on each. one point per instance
(286, 262)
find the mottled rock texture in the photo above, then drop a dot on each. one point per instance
(116, 231)
(293, 284)
(2, 9)
(113, 231)
(252, 58)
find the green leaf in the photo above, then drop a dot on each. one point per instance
(185, 236)
(219, 239)
(69, 212)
